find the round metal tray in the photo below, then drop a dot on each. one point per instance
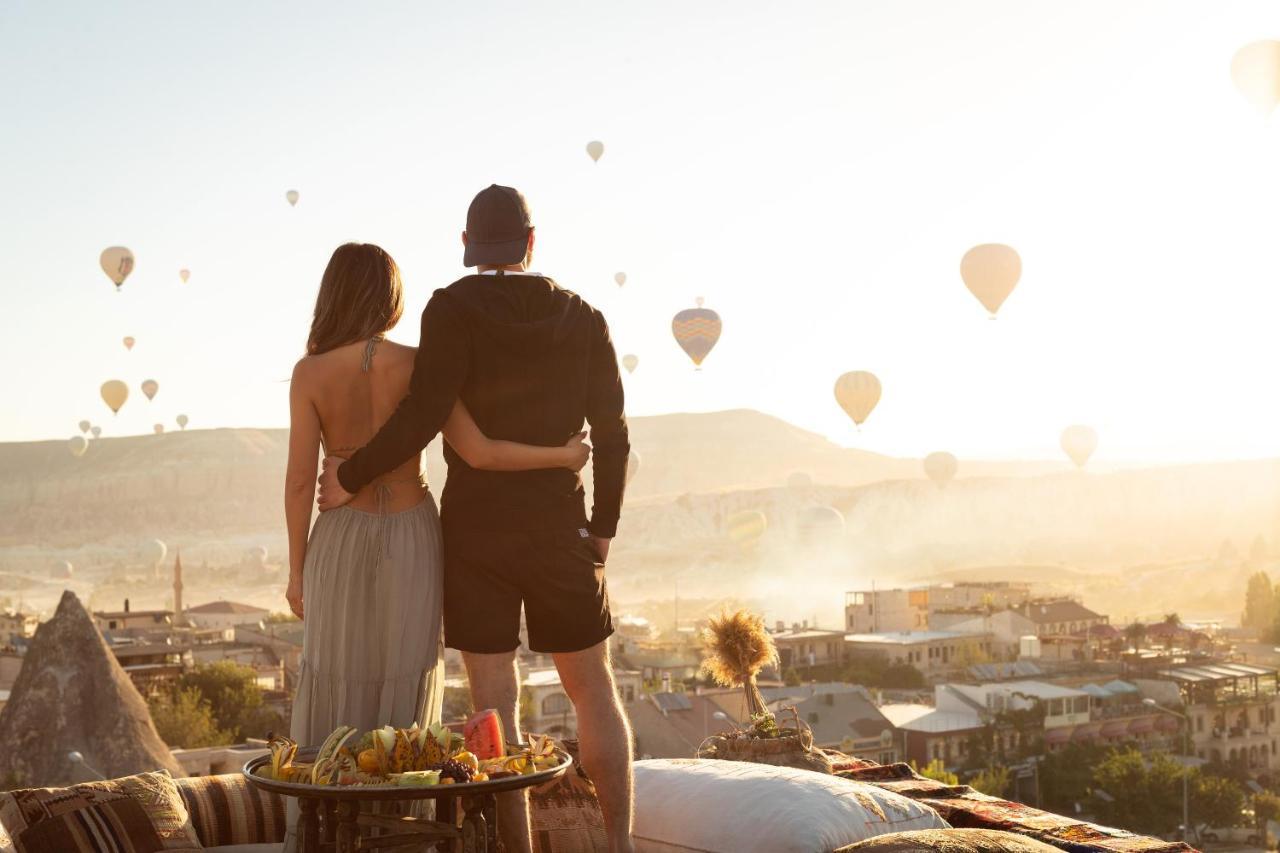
(397, 792)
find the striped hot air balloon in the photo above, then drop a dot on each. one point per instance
(696, 331)
(747, 526)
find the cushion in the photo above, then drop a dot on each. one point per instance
(711, 806)
(565, 815)
(155, 793)
(226, 810)
(951, 841)
(274, 847)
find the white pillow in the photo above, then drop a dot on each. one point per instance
(710, 806)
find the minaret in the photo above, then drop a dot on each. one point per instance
(178, 618)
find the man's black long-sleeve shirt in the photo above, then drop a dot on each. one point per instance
(531, 361)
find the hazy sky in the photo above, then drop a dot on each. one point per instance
(814, 170)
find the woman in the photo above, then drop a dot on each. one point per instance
(368, 581)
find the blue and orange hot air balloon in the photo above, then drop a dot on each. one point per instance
(696, 331)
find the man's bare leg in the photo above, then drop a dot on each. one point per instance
(495, 683)
(603, 736)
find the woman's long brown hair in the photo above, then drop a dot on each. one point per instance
(360, 297)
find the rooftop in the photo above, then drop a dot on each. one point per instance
(229, 607)
(1062, 610)
(926, 718)
(807, 634)
(906, 638)
(1042, 690)
(1217, 673)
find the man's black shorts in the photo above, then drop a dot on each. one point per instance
(556, 574)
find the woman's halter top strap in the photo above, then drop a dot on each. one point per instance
(369, 350)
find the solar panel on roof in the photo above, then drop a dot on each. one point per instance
(673, 701)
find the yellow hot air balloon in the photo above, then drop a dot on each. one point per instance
(159, 428)
(117, 263)
(292, 197)
(747, 526)
(78, 444)
(991, 272)
(84, 426)
(940, 466)
(182, 421)
(114, 393)
(595, 148)
(696, 331)
(129, 342)
(1255, 69)
(97, 430)
(633, 464)
(857, 393)
(620, 278)
(185, 275)
(630, 362)
(150, 387)
(1079, 442)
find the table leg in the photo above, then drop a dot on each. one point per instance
(328, 822)
(489, 808)
(348, 830)
(309, 825)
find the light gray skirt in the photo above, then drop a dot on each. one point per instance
(372, 593)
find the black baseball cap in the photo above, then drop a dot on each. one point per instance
(498, 225)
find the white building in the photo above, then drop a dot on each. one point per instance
(1063, 706)
(882, 610)
(551, 711)
(927, 651)
(220, 615)
(1006, 628)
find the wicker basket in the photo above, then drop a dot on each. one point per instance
(792, 748)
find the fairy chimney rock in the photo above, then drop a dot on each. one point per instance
(73, 696)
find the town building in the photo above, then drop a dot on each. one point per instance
(1006, 627)
(225, 614)
(551, 712)
(984, 596)
(1232, 708)
(15, 624)
(128, 619)
(885, 610)
(1061, 617)
(849, 722)
(925, 733)
(931, 652)
(802, 646)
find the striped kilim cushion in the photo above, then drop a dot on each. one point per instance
(228, 810)
(115, 823)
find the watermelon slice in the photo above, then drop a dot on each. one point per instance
(483, 734)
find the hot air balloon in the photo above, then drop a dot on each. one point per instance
(182, 421)
(633, 464)
(940, 467)
(153, 551)
(594, 150)
(1079, 442)
(1255, 69)
(799, 480)
(185, 275)
(991, 272)
(819, 523)
(97, 431)
(114, 393)
(150, 387)
(258, 555)
(292, 197)
(117, 263)
(696, 331)
(129, 342)
(630, 362)
(159, 428)
(84, 426)
(78, 445)
(620, 278)
(62, 570)
(857, 393)
(747, 526)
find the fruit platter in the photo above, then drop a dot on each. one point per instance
(391, 763)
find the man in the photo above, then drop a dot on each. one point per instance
(531, 361)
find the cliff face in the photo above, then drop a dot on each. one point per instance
(72, 695)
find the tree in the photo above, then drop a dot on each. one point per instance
(234, 697)
(993, 781)
(1216, 801)
(184, 720)
(457, 704)
(1139, 793)
(1259, 603)
(1067, 775)
(1135, 633)
(938, 772)
(1266, 806)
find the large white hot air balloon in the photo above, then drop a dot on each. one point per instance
(114, 394)
(1079, 442)
(292, 197)
(595, 148)
(96, 430)
(633, 464)
(129, 341)
(630, 362)
(858, 392)
(78, 444)
(185, 275)
(940, 466)
(150, 387)
(620, 278)
(820, 523)
(62, 570)
(153, 551)
(117, 263)
(85, 426)
(991, 272)
(182, 421)
(1255, 69)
